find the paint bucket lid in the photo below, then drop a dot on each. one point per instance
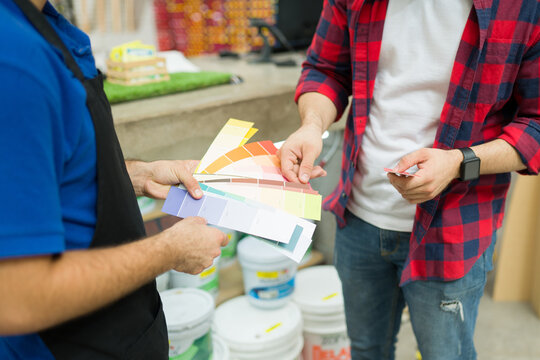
(251, 249)
(318, 290)
(221, 350)
(186, 308)
(248, 329)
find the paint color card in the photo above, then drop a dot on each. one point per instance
(402, 173)
(259, 167)
(238, 215)
(233, 133)
(256, 149)
(313, 205)
(295, 249)
(190, 207)
(249, 135)
(213, 209)
(222, 209)
(295, 200)
(274, 184)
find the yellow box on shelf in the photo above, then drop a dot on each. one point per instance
(132, 51)
(135, 63)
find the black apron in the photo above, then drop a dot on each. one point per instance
(133, 327)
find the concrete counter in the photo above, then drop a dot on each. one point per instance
(182, 126)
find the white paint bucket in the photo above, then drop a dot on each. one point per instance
(188, 313)
(228, 253)
(221, 350)
(257, 334)
(318, 294)
(162, 282)
(207, 280)
(268, 275)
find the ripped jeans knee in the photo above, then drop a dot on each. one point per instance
(453, 306)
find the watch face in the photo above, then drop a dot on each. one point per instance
(471, 169)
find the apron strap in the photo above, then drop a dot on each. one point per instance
(39, 21)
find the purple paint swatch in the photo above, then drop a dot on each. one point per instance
(173, 201)
(212, 209)
(190, 206)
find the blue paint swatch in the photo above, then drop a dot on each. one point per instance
(212, 209)
(293, 241)
(174, 200)
(190, 207)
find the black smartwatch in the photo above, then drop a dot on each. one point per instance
(470, 166)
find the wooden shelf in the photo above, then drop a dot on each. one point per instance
(231, 283)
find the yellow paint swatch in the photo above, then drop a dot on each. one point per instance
(312, 208)
(231, 135)
(249, 135)
(294, 202)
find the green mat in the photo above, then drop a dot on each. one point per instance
(179, 82)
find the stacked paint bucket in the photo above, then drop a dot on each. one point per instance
(259, 334)
(264, 324)
(189, 315)
(268, 275)
(319, 297)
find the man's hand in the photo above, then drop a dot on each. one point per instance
(154, 179)
(299, 152)
(436, 169)
(193, 244)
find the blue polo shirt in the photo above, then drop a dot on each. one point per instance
(47, 150)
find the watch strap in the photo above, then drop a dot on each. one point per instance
(468, 154)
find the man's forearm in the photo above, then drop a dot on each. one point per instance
(41, 292)
(138, 174)
(316, 109)
(498, 156)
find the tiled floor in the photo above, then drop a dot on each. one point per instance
(504, 331)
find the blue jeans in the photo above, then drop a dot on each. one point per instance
(369, 261)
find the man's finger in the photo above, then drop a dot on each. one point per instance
(306, 166)
(317, 172)
(410, 160)
(287, 167)
(192, 165)
(224, 240)
(157, 191)
(196, 220)
(190, 183)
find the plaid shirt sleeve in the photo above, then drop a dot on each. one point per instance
(523, 133)
(327, 69)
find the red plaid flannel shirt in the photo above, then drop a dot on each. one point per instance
(494, 93)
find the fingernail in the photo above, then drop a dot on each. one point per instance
(198, 193)
(304, 177)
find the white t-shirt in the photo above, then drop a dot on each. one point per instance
(419, 46)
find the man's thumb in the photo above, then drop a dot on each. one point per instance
(306, 167)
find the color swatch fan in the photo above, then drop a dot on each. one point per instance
(244, 190)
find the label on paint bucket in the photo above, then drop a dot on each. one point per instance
(201, 349)
(274, 291)
(326, 347)
(208, 272)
